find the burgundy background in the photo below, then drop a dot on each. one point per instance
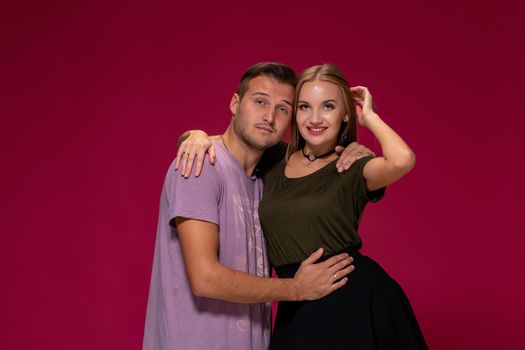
(95, 93)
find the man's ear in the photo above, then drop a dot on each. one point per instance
(234, 104)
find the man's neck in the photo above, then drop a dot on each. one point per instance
(247, 155)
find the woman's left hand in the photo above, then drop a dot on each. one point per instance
(365, 103)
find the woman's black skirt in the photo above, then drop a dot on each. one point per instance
(370, 312)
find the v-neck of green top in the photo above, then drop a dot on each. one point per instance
(315, 173)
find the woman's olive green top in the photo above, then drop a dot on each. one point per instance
(300, 215)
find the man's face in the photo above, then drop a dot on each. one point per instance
(261, 117)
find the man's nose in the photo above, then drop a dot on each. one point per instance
(269, 116)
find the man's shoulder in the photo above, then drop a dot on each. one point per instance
(209, 180)
(208, 170)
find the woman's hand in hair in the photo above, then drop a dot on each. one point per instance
(365, 103)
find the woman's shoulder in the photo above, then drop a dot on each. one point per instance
(271, 158)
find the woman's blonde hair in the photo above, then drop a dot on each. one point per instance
(331, 74)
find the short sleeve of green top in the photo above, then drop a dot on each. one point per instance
(323, 209)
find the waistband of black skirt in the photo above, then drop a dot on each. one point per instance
(289, 270)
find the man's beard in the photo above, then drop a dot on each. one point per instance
(250, 141)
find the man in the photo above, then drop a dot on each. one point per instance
(210, 285)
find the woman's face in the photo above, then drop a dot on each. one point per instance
(320, 111)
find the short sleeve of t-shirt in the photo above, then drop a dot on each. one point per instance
(195, 197)
(357, 182)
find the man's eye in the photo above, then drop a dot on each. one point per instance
(260, 102)
(283, 110)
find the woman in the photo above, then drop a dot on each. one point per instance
(307, 203)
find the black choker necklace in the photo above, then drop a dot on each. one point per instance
(312, 156)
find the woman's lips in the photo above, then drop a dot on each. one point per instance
(317, 130)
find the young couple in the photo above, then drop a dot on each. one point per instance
(210, 285)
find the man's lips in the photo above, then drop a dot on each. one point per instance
(265, 128)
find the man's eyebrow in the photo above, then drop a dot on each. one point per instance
(260, 93)
(267, 95)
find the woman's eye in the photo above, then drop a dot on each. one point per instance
(329, 106)
(303, 107)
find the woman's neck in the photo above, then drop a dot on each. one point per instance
(318, 149)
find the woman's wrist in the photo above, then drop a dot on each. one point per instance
(369, 118)
(197, 132)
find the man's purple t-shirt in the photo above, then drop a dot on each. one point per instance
(176, 319)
